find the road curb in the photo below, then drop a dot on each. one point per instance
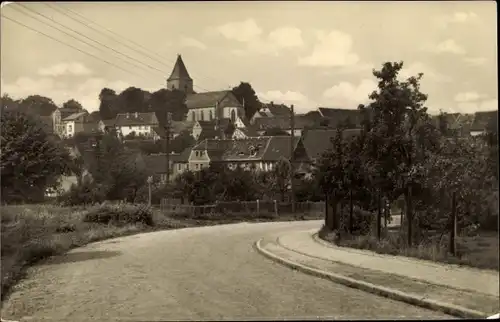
(375, 289)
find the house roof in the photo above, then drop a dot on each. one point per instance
(277, 109)
(183, 156)
(75, 116)
(108, 122)
(179, 71)
(481, 120)
(282, 122)
(156, 163)
(279, 147)
(338, 115)
(265, 148)
(128, 119)
(67, 111)
(317, 141)
(248, 131)
(207, 99)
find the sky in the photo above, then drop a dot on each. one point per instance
(309, 54)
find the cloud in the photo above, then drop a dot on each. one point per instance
(429, 74)
(87, 93)
(456, 18)
(448, 46)
(256, 41)
(302, 103)
(348, 95)
(332, 49)
(469, 97)
(475, 61)
(243, 31)
(192, 42)
(65, 68)
(480, 106)
(286, 37)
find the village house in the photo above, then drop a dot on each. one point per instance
(315, 142)
(257, 153)
(141, 124)
(212, 129)
(351, 118)
(73, 124)
(59, 115)
(105, 125)
(271, 110)
(156, 165)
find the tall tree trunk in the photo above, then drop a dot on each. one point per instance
(351, 212)
(409, 214)
(379, 215)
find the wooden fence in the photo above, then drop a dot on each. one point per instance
(258, 207)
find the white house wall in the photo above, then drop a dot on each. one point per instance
(145, 130)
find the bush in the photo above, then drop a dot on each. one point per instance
(85, 194)
(120, 214)
(362, 220)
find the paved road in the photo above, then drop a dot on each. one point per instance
(191, 274)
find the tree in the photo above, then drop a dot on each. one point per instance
(31, 161)
(73, 104)
(400, 135)
(7, 103)
(182, 141)
(37, 105)
(132, 100)
(107, 99)
(94, 117)
(245, 93)
(163, 101)
(281, 177)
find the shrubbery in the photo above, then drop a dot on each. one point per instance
(120, 214)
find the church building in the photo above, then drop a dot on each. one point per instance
(205, 106)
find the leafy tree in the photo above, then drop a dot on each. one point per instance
(281, 177)
(107, 98)
(400, 135)
(245, 92)
(73, 104)
(94, 117)
(184, 185)
(132, 100)
(163, 101)
(37, 105)
(181, 142)
(7, 103)
(31, 161)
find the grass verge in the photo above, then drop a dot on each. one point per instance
(30, 233)
(479, 251)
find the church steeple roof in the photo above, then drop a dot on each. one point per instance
(180, 70)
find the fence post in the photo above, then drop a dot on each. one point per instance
(258, 207)
(275, 208)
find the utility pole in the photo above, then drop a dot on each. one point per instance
(167, 144)
(292, 159)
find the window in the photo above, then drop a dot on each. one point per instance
(196, 153)
(179, 167)
(70, 128)
(197, 166)
(233, 115)
(211, 115)
(130, 127)
(201, 115)
(193, 116)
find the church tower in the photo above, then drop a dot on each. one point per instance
(179, 78)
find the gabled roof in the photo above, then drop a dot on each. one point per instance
(108, 122)
(276, 109)
(207, 99)
(127, 119)
(179, 71)
(279, 147)
(282, 122)
(75, 116)
(248, 131)
(317, 141)
(183, 156)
